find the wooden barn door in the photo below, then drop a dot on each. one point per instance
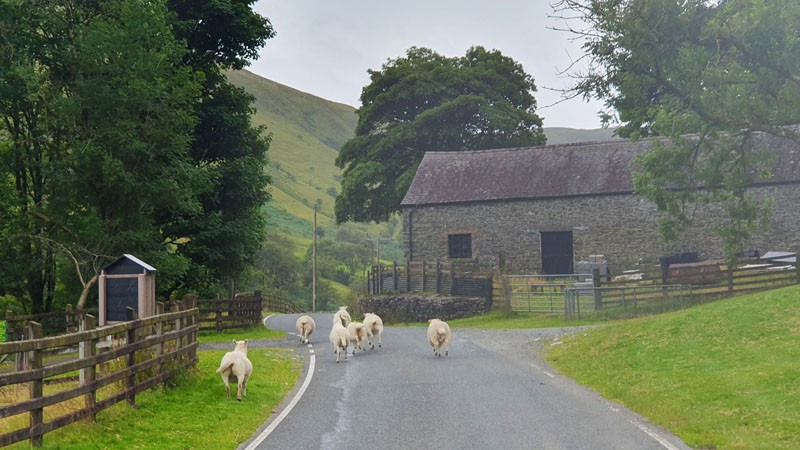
(557, 253)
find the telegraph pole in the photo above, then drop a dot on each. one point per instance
(314, 265)
(379, 275)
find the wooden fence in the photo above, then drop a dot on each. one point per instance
(467, 280)
(111, 364)
(53, 323)
(678, 286)
(242, 311)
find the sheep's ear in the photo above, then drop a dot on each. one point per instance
(234, 341)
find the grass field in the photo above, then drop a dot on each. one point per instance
(193, 414)
(725, 375)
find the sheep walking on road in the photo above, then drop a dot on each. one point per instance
(343, 316)
(305, 326)
(358, 336)
(439, 336)
(339, 337)
(235, 363)
(374, 326)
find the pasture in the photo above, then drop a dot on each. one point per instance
(723, 375)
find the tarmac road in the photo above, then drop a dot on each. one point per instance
(492, 392)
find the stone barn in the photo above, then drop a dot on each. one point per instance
(545, 209)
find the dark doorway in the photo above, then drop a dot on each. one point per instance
(557, 253)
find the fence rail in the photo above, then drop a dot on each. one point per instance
(138, 354)
(624, 301)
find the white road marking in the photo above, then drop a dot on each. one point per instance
(267, 431)
(542, 370)
(653, 435)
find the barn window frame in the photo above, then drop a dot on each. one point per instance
(459, 246)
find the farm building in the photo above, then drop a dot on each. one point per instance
(546, 209)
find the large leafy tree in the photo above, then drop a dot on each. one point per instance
(224, 236)
(707, 74)
(427, 102)
(97, 111)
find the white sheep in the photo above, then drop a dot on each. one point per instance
(305, 326)
(339, 337)
(358, 336)
(439, 336)
(343, 316)
(236, 363)
(374, 326)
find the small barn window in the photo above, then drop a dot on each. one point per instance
(460, 245)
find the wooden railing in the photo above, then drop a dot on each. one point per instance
(97, 368)
(465, 279)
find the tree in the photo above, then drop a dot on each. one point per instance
(95, 107)
(228, 230)
(707, 74)
(427, 102)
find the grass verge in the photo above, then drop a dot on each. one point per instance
(194, 414)
(258, 332)
(724, 375)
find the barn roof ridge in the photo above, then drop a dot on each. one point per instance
(548, 171)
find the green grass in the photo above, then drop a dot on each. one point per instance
(194, 415)
(239, 334)
(724, 375)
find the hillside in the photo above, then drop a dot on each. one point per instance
(307, 132)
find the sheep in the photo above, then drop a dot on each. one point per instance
(305, 326)
(374, 326)
(339, 337)
(358, 335)
(236, 363)
(343, 316)
(439, 336)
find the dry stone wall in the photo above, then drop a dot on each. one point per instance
(404, 308)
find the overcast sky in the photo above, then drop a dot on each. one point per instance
(325, 47)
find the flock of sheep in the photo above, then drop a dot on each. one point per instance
(344, 334)
(347, 333)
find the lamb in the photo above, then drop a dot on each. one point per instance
(358, 335)
(339, 337)
(236, 363)
(374, 326)
(343, 316)
(305, 326)
(439, 336)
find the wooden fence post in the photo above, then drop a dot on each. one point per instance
(730, 279)
(130, 383)
(86, 350)
(408, 275)
(36, 386)
(395, 276)
(259, 308)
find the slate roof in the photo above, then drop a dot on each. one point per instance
(565, 170)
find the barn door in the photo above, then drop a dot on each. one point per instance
(557, 252)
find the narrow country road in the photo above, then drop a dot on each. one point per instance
(491, 392)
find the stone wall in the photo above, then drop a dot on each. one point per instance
(621, 227)
(406, 308)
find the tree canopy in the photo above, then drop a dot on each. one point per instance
(707, 74)
(101, 150)
(427, 102)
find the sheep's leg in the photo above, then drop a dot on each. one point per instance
(446, 347)
(380, 344)
(227, 386)
(239, 390)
